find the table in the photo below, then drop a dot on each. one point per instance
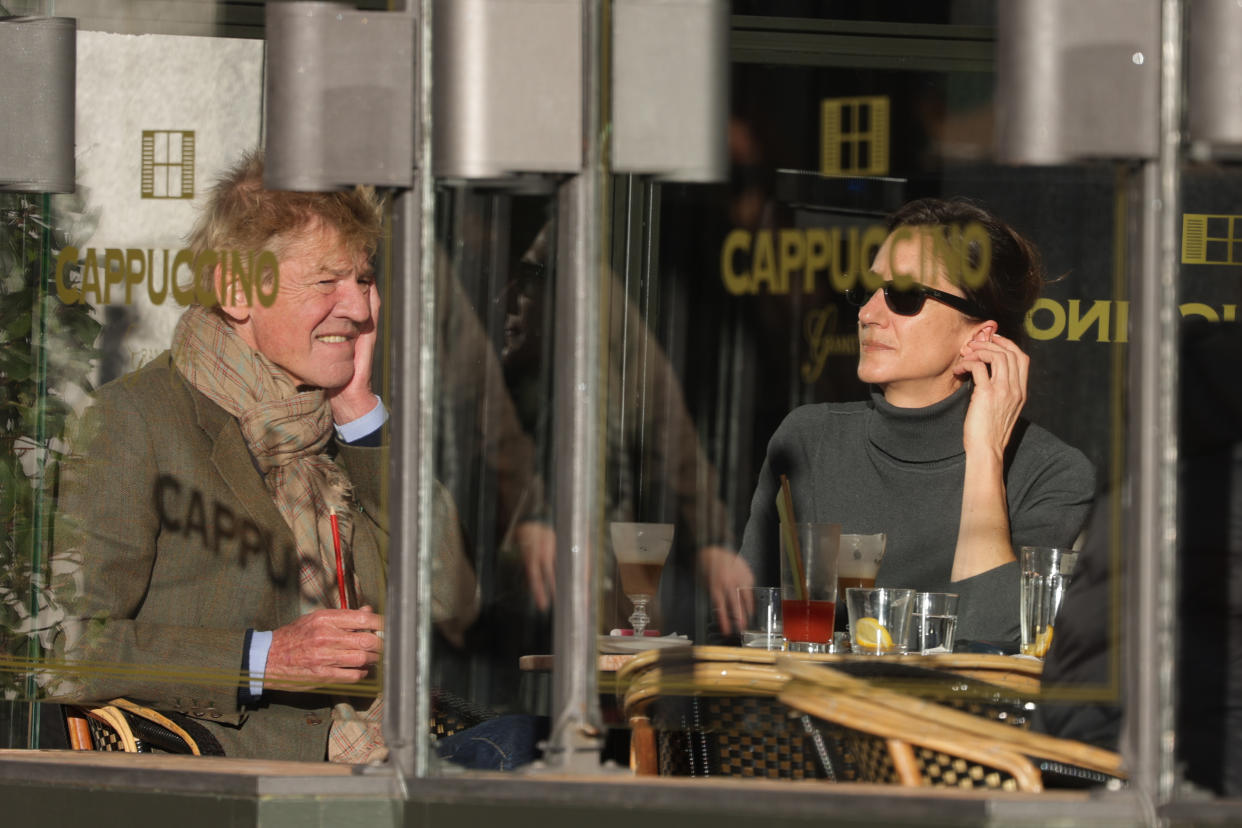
(732, 723)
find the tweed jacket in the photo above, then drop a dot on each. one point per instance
(168, 547)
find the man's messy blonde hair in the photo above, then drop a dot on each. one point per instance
(240, 215)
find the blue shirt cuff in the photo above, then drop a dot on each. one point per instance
(364, 426)
(260, 644)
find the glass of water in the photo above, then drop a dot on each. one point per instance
(763, 626)
(1046, 574)
(934, 623)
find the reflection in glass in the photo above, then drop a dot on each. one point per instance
(47, 354)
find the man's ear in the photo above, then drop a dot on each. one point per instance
(230, 295)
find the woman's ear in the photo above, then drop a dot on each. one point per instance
(984, 332)
(231, 297)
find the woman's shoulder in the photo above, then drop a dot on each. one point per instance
(1037, 448)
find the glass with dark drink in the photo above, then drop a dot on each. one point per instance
(857, 565)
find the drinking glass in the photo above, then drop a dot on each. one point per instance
(934, 623)
(809, 585)
(879, 620)
(763, 626)
(641, 549)
(857, 565)
(1046, 574)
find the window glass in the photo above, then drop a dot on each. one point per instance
(751, 350)
(173, 517)
(495, 337)
(730, 354)
(724, 310)
(1208, 482)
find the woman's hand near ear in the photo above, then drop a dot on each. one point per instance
(999, 369)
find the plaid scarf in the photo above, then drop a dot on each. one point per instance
(286, 431)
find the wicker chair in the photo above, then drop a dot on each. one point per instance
(709, 711)
(126, 727)
(706, 712)
(897, 738)
(123, 726)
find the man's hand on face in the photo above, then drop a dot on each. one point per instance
(356, 399)
(328, 646)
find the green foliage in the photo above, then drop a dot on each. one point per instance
(46, 352)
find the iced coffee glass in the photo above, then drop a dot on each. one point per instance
(640, 550)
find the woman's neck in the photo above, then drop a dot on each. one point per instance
(927, 434)
(921, 393)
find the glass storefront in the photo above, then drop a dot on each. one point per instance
(585, 359)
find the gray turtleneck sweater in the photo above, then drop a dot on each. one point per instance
(872, 467)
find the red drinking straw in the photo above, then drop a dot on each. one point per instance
(340, 563)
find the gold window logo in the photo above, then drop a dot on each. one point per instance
(167, 163)
(854, 136)
(1211, 239)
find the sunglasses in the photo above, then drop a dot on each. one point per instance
(909, 301)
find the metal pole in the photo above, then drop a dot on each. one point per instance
(410, 332)
(576, 732)
(1151, 611)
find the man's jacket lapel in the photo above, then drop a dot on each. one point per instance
(232, 459)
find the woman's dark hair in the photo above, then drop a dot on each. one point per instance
(1014, 274)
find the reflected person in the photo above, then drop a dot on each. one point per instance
(652, 442)
(1090, 628)
(938, 458)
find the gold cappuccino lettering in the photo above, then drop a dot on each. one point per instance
(267, 263)
(1104, 320)
(818, 255)
(204, 290)
(114, 271)
(90, 275)
(135, 271)
(974, 234)
(157, 297)
(183, 296)
(793, 257)
(127, 268)
(872, 240)
(769, 259)
(1079, 324)
(239, 274)
(841, 277)
(763, 266)
(1043, 333)
(1200, 309)
(67, 294)
(735, 282)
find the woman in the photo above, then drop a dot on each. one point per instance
(938, 458)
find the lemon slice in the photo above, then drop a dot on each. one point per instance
(1039, 647)
(870, 633)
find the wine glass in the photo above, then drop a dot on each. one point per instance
(641, 549)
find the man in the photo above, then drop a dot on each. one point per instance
(201, 520)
